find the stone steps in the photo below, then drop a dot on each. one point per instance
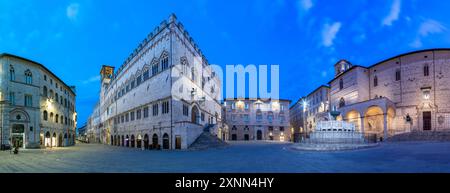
(421, 136)
(206, 140)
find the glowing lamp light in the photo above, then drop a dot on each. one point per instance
(426, 95)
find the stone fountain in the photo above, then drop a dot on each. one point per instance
(333, 135)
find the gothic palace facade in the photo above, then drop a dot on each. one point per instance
(37, 108)
(163, 96)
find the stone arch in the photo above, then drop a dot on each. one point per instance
(155, 143)
(54, 140)
(48, 139)
(195, 115)
(127, 142)
(259, 135)
(133, 141)
(24, 117)
(139, 141)
(354, 117)
(166, 141)
(146, 141)
(60, 140)
(113, 140)
(373, 120)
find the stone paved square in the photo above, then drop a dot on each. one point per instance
(251, 157)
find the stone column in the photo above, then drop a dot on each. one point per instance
(362, 124)
(385, 127)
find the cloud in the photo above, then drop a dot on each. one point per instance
(91, 80)
(329, 33)
(431, 27)
(427, 27)
(305, 5)
(72, 11)
(393, 14)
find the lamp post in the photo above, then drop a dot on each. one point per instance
(304, 103)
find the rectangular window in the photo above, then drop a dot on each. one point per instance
(146, 76)
(202, 116)
(127, 117)
(155, 69)
(185, 110)
(165, 63)
(165, 107)
(145, 112)
(138, 114)
(122, 119)
(138, 80)
(132, 116)
(398, 75)
(12, 98)
(133, 84)
(155, 109)
(28, 101)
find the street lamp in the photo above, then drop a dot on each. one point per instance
(304, 104)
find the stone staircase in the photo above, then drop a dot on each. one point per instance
(421, 136)
(207, 140)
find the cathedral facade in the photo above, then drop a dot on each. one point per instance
(405, 93)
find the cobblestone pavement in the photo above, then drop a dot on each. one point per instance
(237, 157)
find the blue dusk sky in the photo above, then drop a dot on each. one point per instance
(305, 37)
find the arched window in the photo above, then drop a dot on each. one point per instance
(193, 74)
(45, 116)
(426, 70)
(184, 65)
(28, 77)
(164, 61)
(51, 94)
(56, 118)
(375, 81)
(341, 103)
(44, 92)
(155, 68)
(51, 116)
(12, 74)
(62, 120)
(341, 84)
